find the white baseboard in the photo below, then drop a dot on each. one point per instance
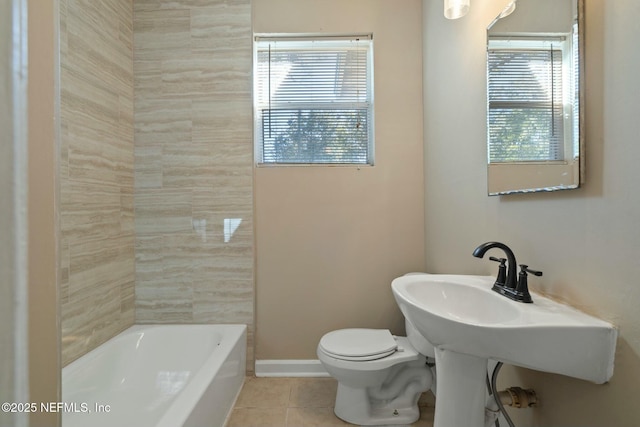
(290, 368)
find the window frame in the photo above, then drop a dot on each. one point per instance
(289, 40)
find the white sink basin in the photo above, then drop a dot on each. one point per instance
(468, 323)
(461, 313)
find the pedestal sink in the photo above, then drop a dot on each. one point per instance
(468, 324)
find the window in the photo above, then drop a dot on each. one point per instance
(530, 95)
(313, 100)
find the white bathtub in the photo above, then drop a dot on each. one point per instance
(157, 375)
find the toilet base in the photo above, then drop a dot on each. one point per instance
(355, 406)
(382, 391)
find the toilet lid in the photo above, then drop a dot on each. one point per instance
(363, 344)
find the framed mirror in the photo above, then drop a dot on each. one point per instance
(535, 89)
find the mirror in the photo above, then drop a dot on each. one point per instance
(535, 91)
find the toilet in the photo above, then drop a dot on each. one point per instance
(380, 376)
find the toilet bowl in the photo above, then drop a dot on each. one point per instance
(380, 376)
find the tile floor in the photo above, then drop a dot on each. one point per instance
(298, 402)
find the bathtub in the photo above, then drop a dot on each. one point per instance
(157, 375)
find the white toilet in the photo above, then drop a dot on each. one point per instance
(380, 376)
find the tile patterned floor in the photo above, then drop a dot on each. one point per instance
(298, 402)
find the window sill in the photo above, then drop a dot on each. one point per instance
(314, 165)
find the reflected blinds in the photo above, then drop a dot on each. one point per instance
(525, 117)
(314, 100)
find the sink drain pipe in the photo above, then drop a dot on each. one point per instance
(514, 396)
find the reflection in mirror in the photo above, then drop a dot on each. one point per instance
(534, 91)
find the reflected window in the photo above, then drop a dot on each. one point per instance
(169, 383)
(230, 227)
(530, 98)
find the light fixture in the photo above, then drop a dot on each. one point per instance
(454, 9)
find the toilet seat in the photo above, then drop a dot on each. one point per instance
(358, 344)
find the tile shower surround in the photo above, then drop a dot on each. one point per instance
(187, 254)
(194, 163)
(96, 173)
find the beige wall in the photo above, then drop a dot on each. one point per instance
(330, 239)
(586, 241)
(193, 159)
(44, 323)
(96, 172)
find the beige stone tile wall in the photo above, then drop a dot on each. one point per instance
(96, 172)
(194, 162)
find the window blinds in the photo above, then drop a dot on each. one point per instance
(313, 100)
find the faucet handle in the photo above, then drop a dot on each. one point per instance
(522, 289)
(526, 269)
(502, 272)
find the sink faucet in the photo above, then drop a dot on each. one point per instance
(510, 282)
(510, 288)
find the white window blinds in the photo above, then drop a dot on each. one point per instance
(526, 118)
(313, 100)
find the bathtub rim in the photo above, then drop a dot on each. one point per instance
(233, 338)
